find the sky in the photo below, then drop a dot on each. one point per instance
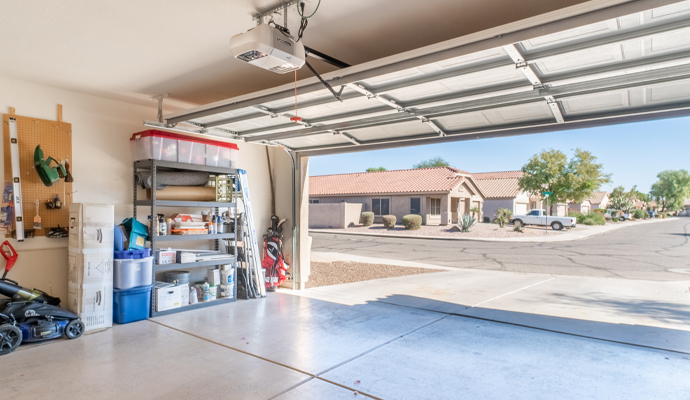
(633, 153)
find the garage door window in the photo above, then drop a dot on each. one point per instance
(380, 206)
(314, 201)
(435, 206)
(415, 206)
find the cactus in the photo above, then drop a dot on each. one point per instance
(466, 222)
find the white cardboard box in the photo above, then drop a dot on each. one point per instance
(213, 276)
(90, 266)
(168, 296)
(91, 226)
(93, 303)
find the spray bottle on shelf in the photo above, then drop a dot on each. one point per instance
(219, 224)
(211, 226)
(207, 292)
(162, 226)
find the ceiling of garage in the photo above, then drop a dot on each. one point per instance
(614, 70)
(133, 49)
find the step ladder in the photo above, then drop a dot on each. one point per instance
(251, 244)
(16, 181)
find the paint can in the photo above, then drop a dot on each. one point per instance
(226, 291)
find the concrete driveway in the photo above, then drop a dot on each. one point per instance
(658, 251)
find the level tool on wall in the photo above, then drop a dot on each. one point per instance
(252, 259)
(16, 181)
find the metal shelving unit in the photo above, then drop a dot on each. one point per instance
(154, 166)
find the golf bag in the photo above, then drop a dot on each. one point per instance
(273, 261)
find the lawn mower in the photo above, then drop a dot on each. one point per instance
(31, 315)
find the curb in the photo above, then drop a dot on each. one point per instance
(559, 238)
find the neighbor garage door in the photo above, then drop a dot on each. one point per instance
(520, 208)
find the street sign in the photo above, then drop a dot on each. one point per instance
(546, 193)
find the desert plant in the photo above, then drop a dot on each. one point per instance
(466, 222)
(389, 221)
(366, 218)
(412, 222)
(517, 228)
(502, 216)
(475, 212)
(614, 214)
(486, 220)
(579, 217)
(640, 214)
(592, 218)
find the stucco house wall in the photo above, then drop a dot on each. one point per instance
(334, 215)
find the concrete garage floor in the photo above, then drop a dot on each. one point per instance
(295, 347)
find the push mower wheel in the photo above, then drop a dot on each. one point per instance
(74, 329)
(10, 338)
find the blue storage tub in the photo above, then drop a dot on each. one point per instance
(131, 305)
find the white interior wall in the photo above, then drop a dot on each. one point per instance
(102, 169)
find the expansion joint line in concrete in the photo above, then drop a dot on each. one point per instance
(310, 375)
(514, 291)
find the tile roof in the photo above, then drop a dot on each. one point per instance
(499, 184)
(497, 175)
(597, 197)
(441, 179)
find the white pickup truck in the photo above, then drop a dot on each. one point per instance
(539, 217)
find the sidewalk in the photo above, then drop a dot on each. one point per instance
(582, 232)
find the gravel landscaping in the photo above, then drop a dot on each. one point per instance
(337, 272)
(482, 230)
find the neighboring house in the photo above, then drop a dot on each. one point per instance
(584, 207)
(502, 190)
(439, 195)
(599, 200)
(594, 201)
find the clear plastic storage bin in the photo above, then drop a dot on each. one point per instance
(153, 145)
(167, 146)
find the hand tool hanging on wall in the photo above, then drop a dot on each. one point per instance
(16, 181)
(48, 174)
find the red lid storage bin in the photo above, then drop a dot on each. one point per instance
(166, 146)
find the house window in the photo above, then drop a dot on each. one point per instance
(415, 206)
(380, 206)
(435, 206)
(314, 201)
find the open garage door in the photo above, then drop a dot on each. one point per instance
(625, 63)
(621, 64)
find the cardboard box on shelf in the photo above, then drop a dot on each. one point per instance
(168, 296)
(91, 226)
(165, 256)
(185, 257)
(214, 277)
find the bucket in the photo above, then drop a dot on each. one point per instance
(227, 277)
(177, 277)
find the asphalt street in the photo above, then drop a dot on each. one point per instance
(658, 251)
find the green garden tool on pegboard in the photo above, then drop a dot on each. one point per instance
(48, 174)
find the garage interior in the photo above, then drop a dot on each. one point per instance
(493, 69)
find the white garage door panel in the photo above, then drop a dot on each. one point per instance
(520, 208)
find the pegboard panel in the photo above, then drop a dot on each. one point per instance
(55, 138)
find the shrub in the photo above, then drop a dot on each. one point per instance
(487, 220)
(412, 222)
(592, 218)
(502, 216)
(579, 217)
(639, 214)
(389, 221)
(366, 218)
(518, 228)
(614, 214)
(466, 222)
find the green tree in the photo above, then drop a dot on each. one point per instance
(379, 169)
(574, 180)
(432, 163)
(639, 195)
(671, 189)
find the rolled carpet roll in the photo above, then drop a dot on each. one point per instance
(165, 179)
(185, 193)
